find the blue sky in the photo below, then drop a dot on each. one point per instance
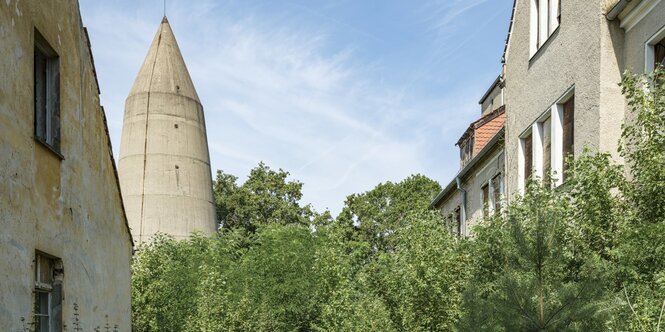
(342, 94)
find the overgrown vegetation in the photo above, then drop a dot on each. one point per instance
(586, 256)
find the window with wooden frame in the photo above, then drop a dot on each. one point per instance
(486, 199)
(568, 145)
(497, 191)
(48, 293)
(46, 93)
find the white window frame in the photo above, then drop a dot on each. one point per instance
(543, 22)
(43, 287)
(48, 288)
(649, 53)
(555, 114)
(557, 159)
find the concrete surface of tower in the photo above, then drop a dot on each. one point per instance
(164, 165)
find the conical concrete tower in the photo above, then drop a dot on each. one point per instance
(164, 165)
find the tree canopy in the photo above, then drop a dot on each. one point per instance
(586, 256)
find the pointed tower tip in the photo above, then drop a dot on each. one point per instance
(164, 70)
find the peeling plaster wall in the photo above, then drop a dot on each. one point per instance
(68, 208)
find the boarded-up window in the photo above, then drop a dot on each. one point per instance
(528, 158)
(497, 192)
(46, 93)
(486, 199)
(547, 147)
(568, 133)
(659, 53)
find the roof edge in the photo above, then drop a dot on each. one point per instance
(106, 127)
(489, 91)
(480, 122)
(617, 9)
(510, 33)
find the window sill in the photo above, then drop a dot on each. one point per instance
(545, 45)
(50, 148)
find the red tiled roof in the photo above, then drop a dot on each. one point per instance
(481, 122)
(486, 132)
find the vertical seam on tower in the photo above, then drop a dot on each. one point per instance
(145, 143)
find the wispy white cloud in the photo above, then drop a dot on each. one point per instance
(444, 13)
(276, 92)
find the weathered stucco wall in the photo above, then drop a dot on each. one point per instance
(68, 208)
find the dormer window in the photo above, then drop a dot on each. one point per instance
(466, 151)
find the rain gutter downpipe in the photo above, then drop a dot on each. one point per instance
(463, 210)
(617, 9)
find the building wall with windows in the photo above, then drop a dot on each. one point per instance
(480, 191)
(561, 53)
(644, 26)
(65, 247)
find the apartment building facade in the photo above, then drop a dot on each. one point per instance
(562, 65)
(564, 60)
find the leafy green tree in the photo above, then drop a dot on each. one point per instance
(375, 214)
(641, 250)
(225, 252)
(422, 279)
(596, 208)
(350, 309)
(266, 197)
(165, 278)
(267, 286)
